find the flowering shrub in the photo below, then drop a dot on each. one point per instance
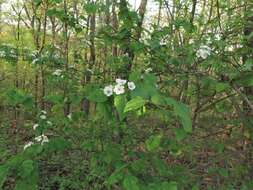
(119, 88)
(203, 52)
(117, 104)
(39, 128)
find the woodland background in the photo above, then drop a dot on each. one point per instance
(188, 124)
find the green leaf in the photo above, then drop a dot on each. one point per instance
(56, 99)
(29, 183)
(135, 76)
(37, 2)
(59, 13)
(131, 183)
(145, 87)
(104, 110)
(16, 97)
(115, 177)
(95, 94)
(153, 142)
(26, 168)
(180, 134)
(90, 8)
(245, 79)
(158, 99)
(183, 112)
(134, 104)
(119, 103)
(220, 87)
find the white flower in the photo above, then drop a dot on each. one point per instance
(162, 43)
(108, 90)
(131, 85)
(229, 48)
(34, 54)
(203, 52)
(44, 112)
(119, 89)
(45, 140)
(148, 70)
(69, 116)
(43, 117)
(42, 138)
(2, 54)
(35, 126)
(121, 81)
(217, 37)
(191, 41)
(35, 61)
(49, 123)
(38, 138)
(57, 72)
(28, 145)
(90, 71)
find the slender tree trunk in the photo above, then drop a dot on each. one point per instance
(43, 80)
(248, 29)
(66, 57)
(92, 58)
(115, 26)
(248, 91)
(85, 103)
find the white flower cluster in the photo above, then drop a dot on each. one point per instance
(148, 70)
(2, 54)
(57, 72)
(34, 54)
(28, 144)
(43, 115)
(203, 52)
(119, 88)
(35, 61)
(69, 116)
(42, 139)
(36, 125)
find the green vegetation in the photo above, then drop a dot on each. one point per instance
(126, 95)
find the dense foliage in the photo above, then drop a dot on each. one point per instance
(99, 95)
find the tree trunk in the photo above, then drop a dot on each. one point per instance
(92, 59)
(66, 57)
(248, 29)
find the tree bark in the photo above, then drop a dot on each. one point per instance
(66, 57)
(92, 58)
